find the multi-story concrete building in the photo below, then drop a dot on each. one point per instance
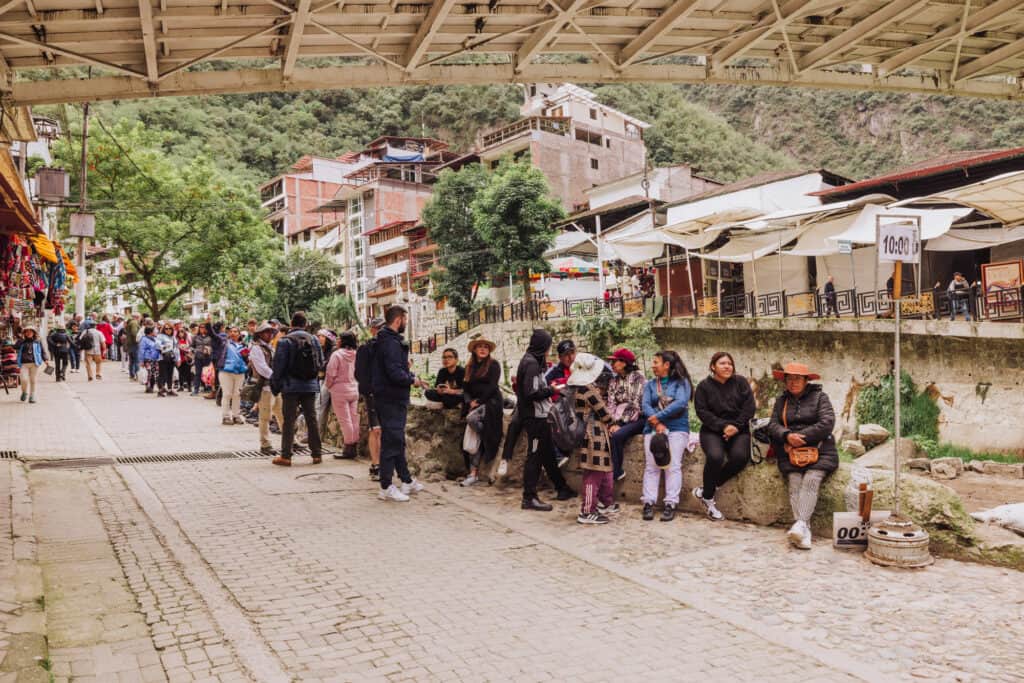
(576, 141)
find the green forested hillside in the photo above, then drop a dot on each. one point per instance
(726, 131)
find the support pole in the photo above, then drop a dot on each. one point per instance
(689, 276)
(668, 282)
(718, 294)
(82, 205)
(896, 386)
(600, 257)
(753, 272)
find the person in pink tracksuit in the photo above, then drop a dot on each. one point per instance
(341, 382)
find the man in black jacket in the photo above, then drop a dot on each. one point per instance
(59, 344)
(533, 406)
(297, 362)
(390, 383)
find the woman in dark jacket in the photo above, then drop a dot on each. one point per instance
(202, 354)
(725, 406)
(803, 416)
(480, 388)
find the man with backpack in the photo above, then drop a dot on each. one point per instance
(297, 363)
(94, 347)
(364, 364)
(59, 344)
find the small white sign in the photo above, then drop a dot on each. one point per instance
(845, 247)
(849, 531)
(83, 225)
(899, 242)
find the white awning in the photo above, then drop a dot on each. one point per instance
(1001, 197)
(934, 222)
(809, 214)
(390, 270)
(968, 239)
(750, 246)
(328, 241)
(571, 241)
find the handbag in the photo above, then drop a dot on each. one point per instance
(799, 456)
(49, 370)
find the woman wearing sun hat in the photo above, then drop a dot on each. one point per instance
(801, 433)
(480, 388)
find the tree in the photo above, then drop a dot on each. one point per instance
(172, 221)
(462, 260)
(299, 280)
(513, 216)
(336, 310)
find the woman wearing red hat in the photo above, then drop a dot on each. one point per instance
(625, 395)
(801, 433)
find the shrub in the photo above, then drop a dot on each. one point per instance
(919, 413)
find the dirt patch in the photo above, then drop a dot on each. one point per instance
(981, 491)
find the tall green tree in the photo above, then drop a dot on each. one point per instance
(172, 221)
(463, 257)
(513, 216)
(335, 310)
(298, 281)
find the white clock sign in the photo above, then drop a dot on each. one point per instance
(899, 242)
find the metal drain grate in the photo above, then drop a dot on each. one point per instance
(194, 457)
(70, 464)
(8, 455)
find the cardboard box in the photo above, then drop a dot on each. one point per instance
(850, 532)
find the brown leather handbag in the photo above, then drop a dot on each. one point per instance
(799, 456)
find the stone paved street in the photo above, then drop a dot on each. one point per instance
(231, 569)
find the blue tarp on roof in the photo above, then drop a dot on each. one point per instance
(402, 155)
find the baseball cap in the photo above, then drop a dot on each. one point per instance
(659, 450)
(625, 355)
(566, 346)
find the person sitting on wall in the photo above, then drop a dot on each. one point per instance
(448, 384)
(625, 395)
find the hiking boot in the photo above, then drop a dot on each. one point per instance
(469, 480)
(709, 505)
(648, 514)
(503, 468)
(668, 513)
(374, 472)
(393, 493)
(282, 461)
(565, 494)
(412, 487)
(592, 518)
(612, 509)
(537, 504)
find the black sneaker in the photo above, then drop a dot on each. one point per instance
(592, 518)
(565, 494)
(374, 472)
(612, 509)
(648, 512)
(669, 513)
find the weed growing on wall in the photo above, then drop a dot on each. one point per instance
(919, 413)
(605, 331)
(933, 449)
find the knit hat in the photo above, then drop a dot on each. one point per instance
(659, 450)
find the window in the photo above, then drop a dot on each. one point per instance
(278, 226)
(594, 164)
(593, 114)
(608, 143)
(354, 215)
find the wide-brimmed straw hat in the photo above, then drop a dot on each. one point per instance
(481, 340)
(265, 326)
(585, 370)
(795, 369)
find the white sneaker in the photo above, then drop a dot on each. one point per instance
(393, 493)
(412, 487)
(503, 468)
(469, 480)
(709, 505)
(796, 533)
(805, 540)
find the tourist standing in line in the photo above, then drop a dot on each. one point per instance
(31, 356)
(149, 356)
(185, 359)
(480, 389)
(449, 381)
(202, 352)
(261, 359)
(534, 404)
(595, 452)
(232, 377)
(391, 381)
(803, 419)
(131, 329)
(340, 380)
(830, 297)
(297, 363)
(724, 402)
(218, 344)
(625, 396)
(94, 348)
(59, 345)
(666, 410)
(364, 379)
(169, 359)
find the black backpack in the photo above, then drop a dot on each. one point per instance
(304, 363)
(364, 364)
(568, 431)
(85, 341)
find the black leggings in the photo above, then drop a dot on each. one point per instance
(165, 380)
(723, 459)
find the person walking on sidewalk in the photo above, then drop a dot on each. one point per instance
(666, 409)
(76, 352)
(94, 348)
(131, 329)
(149, 356)
(31, 355)
(725, 405)
(297, 362)
(59, 345)
(391, 381)
(340, 380)
(364, 379)
(232, 377)
(261, 359)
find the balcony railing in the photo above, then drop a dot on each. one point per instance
(388, 246)
(557, 125)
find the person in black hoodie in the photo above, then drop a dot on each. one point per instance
(59, 344)
(534, 404)
(725, 405)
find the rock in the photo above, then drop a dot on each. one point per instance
(883, 456)
(1004, 469)
(854, 448)
(944, 470)
(919, 464)
(976, 466)
(956, 463)
(872, 435)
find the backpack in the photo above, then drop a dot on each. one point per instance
(364, 364)
(85, 341)
(304, 364)
(568, 431)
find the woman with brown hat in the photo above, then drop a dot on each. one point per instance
(480, 388)
(801, 433)
(31, 355)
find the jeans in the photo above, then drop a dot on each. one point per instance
(677, 442)
(61, 361)
(515, 428)
(448, 400)
(290, 406)
(133, 362)
(392, 416)
(618, 444)
(959, 306)
(540, 452)
(723, 459)
(76, 359)
(830, 305)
